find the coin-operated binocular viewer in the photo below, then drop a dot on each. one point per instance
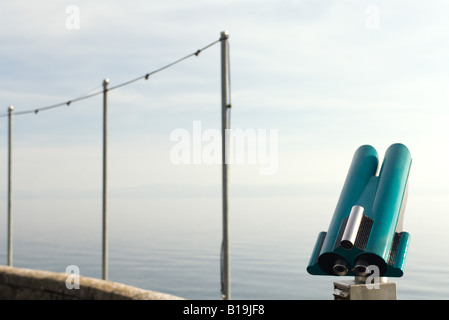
(366, 229)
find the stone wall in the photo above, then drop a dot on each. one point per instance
(30, 284)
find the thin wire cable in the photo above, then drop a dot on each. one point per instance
(145, 76)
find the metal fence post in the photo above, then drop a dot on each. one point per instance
(105, 140)
(225, 105)
(10, 112)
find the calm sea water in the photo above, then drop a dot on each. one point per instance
(172, 245)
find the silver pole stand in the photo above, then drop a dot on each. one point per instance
(365, 288)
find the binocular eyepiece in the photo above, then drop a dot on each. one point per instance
(341, 268)
(366, 228)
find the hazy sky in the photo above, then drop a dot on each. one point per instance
(329, 76)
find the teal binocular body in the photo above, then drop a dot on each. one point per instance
(366, 228)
